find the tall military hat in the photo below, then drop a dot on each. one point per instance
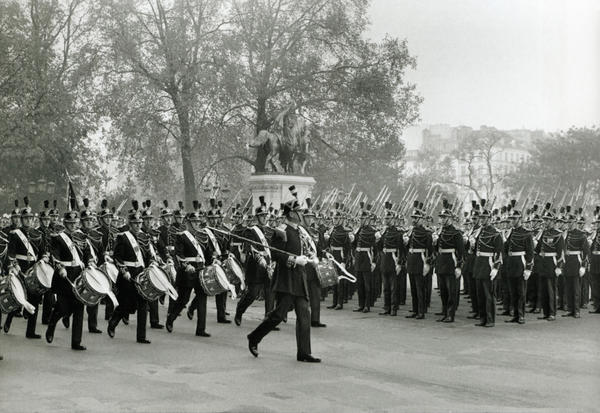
(292, 204)
(16, 212)
(105, 211)
(212, 212)
(87, 213)
(165, 211)
(417, 210)
(596, 215)
(179, 211)
(580, 216)
(147, 210)
(514, 214)
(484, 212)
(237, 211)
(27, 211)
(308, 211)
(54, 210)
(446, 211)
(219, 213)
(45, 213)
(134, 214)
(388, 210)
(262, 208)
(194, 216)
(71, 216)
(548, 214)
(568, 216)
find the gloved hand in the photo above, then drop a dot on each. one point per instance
(493, 273)
(127, 275)
(457, 273)
(62, 272)
(581, 271)
(558, 272)
(405, 238)
(426, 268)
(301, 260)
(91, 264)
(434, 238)
(398, 269)
(373, 265)
(526, 274)
(46, 259)
(351, 237)
(190, 268)
(262, 262)
(107, 258)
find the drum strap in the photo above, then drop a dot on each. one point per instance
(25, 242)
(92, 251)
(262, 239)
(308, 239)
(214, 241)
(195, 243)
(136, 248)
(72, 249)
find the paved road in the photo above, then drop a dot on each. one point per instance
(370, 363)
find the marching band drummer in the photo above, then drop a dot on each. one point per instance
(25, 246)
(392, 247)
(153, 238)
(132, 255)
(339, 240)
(193, 253)
(314, 285)
(70, 253)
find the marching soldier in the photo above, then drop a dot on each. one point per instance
(49, 298)
(109, 235)
(153, 239)
(594, 264)
(449, 249)
(576, 256)
(365, 240)
(519, 263)
(70, 253)
(469, 266)
(167, 232)
(193, 252)
(420, 248)
(26, 245)
(488, 258)
(339, 239)
(131, 255)
(314, 285)
(392, 251)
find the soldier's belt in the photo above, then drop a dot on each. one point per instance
(190, 259)
(337, 248)
(447, 250)
(69, 263)
(236, 244)
(132, 264)
(595, 252)
(170, 248)
(572, 252)
(392, 250)
(363, 249)
(24, 257)
(416, 250)
(516, 253)
(548, 254)
(485, 254)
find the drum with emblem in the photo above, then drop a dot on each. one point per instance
(13, 295)
(233, 270)
(154, 283)
(91, 286)
(38, 278)
(326, 273)
(213, 280)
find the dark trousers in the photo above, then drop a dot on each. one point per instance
(364, 281)
(517, 287)
(473, 292)
(221, 304)
(560, 291)
(251, 294)
(34, 300)
(585, 290)
(67, 305)
(199, 302)
(340, 292)
(375, 286)
(573, 291)
(428, 285)
(142, 316)
(48, 303)
(401, 286)
(108, 309)
(595, 283)
(284, 303)
(153, 310)
(314, 294)
(547, 293)
(390, 290)
(448, 293)
(92, 313)
(417, 292)
(486, 300)
(504, 290)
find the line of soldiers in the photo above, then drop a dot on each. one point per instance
(544, 257)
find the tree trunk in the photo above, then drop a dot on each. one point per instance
(185, 145)
(262, 123)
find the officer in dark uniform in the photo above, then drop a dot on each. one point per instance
(469, 264)
(26, 245)
(289, 285)
(223, 240)
(339, 240)
(109, 235)
(488, 257)
(420, 249)
(153, 237)
(449, 249)
(314, 285)
(258, 264)
(594, 264)
(132, 255)
(193, 251)
(49, 298)
(577, 252)
(519, 263)
(70, 253)
(94, 240)
(166, 239)
(391, 247)
(364, 243)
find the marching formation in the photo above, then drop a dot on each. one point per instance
(546, 257)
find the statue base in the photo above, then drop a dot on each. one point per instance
(274, 188)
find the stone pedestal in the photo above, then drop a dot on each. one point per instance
(275, 188)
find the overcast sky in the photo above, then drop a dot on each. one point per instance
(504, 63)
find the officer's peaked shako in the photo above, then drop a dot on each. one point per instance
(308, 211)
(54, 210)
(147, 210)
(26, 212)
(212, 212)
(292, 204)
(104, 210)
(16, 212)
(484, 212)
(165, 211)
(87, 212)
(134, 213)
(388, 210)
(45, 213)
(262, 208)
(179, 212)
(194, 215)
(446, 211)
(548, 214)
(417, 210)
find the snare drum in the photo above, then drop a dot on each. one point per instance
(12, 294)
(213, 280)
(91, 286)
(233, 270)
(152, 283)
(326, 273)
(38, 279)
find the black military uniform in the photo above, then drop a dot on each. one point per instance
(132, 255)
(364, 243)
(223, 240)
(46, 228)
(577, 252)
(26, 245)
(519, 263)
(420, 250)
(313, 282)
(71, 253)
(290, 288)
(153, 238)
(488, 257)
(392, 249)
(109, 235)
(340, 245)
(594, 264)
(469, 263)
(449, 251)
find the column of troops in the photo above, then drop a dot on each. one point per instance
(547, 258)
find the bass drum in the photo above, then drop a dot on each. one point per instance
(91, 286)
(233, 270)
(12, 295)
(327, 274)
(38, 278)
(213, 280)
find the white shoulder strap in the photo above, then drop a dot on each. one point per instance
(25, 242)
(72, 249)
(214, 241)
(195, 243)
(136, 248)
(263, 240)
